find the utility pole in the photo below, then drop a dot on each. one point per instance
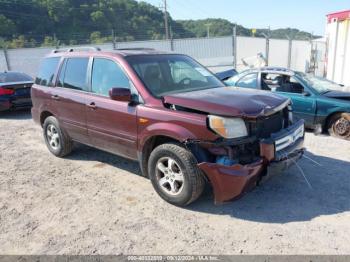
(166, 20)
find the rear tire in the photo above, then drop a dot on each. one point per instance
(57, 141)
(174, 174)
(339, 126)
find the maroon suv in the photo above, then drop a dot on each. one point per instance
(168, 112)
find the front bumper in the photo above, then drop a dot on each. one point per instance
(276, 154)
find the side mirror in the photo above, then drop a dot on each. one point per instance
(306, 93)
(120, 94)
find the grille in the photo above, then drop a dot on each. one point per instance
(265, 126)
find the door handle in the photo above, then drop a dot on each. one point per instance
(55, 97)
(92, 105)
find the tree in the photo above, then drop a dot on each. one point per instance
(34, 22)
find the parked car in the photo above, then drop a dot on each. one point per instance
(171, 114)
(316, 100)
(15, 90)
(224, 75)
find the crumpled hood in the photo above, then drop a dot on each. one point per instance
(230, 101)
(338, 94)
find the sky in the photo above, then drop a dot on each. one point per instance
(306, 15)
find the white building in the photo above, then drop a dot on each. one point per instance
(338, 47)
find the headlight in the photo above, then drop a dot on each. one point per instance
(228, 127)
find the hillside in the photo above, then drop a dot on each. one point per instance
(223, 27)
(27, 23)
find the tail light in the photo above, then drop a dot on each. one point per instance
(4, 91)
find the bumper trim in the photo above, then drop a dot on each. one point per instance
(282, 143)
(290, 138)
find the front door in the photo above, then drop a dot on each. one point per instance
(111, 124)
(304, 102)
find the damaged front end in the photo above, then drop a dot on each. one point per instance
(235, 166)
(256, 137)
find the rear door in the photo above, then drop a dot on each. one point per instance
(70, 95)
(111, 124)
(44, 86)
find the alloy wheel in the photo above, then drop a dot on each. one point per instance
(53, 137)
(169, 176)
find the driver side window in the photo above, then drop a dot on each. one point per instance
(106, 74)
(292, 85)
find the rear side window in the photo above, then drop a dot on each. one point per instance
(106, 74)
(73, 74)
(47, 71)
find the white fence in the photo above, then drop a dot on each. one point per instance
(217, 53)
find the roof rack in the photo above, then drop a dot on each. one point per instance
(135, 48)
(77, 49)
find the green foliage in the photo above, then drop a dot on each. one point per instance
(6, 25)
(222, 27)
(27, 23)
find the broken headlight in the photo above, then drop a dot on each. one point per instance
(228, 127)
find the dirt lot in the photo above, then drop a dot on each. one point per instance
(96, 203)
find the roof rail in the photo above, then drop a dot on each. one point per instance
(77, 49)
(135, 48)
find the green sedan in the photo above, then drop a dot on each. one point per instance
(316, 100)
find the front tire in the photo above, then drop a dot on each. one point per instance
(174, 174)
(339, 126)
(56, 140)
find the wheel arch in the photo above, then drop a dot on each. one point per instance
(330, 116)
(149, 145)
(45, 114)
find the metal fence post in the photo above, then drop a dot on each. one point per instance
(172, 44)
(290, 43)
(234, 46)
(4, 53)
(113, 40)
(7, 60)
(171, 39)
(267, 46)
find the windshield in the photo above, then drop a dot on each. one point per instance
(9, 77)
(321, 85)
(171, 74)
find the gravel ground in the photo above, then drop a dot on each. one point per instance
(96, 203)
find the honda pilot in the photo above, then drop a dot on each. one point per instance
(172, 115)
